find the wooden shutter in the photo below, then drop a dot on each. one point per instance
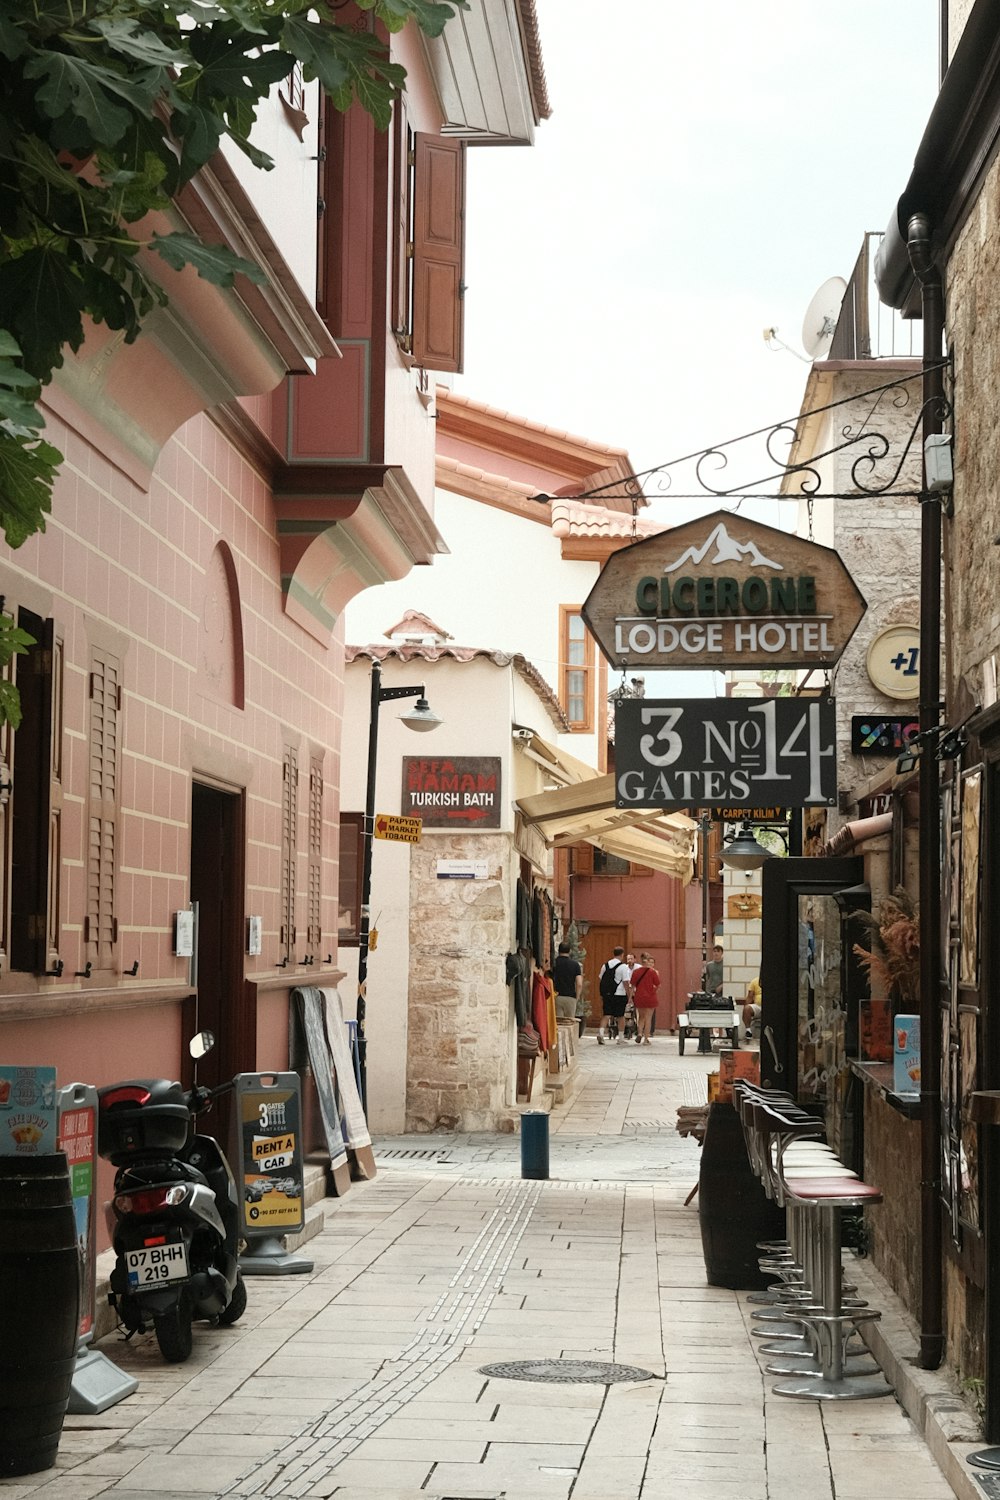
(314, 936)
(289, 825)
(438, 251)
(351, 861)
(100, 922)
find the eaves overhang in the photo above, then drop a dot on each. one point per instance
(487, 70)
(958, 147)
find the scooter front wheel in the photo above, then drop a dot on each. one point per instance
(237, 1303)
(173, 1331)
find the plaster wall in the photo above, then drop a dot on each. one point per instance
(285, 198)
(514, 572)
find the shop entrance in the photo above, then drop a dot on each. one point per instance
(217, 887)
(600, 942)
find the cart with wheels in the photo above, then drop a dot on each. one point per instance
(706, 1014)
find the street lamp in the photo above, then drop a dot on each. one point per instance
(421, 717)
(744, 852)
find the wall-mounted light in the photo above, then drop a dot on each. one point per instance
(744, 853)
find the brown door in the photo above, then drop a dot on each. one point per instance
(600, 943)
(217, 887)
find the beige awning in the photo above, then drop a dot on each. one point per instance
(583, 811)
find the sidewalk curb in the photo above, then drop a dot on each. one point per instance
(931, 1398)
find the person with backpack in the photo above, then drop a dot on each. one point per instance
(615, 985)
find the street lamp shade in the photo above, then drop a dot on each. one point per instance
(421, 717)
(744, 852)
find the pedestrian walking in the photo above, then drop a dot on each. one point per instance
(615, 986)
(645, 986)
(568, 978)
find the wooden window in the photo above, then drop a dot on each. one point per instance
(100, 932)
(289, 842)
(314, 933)
(351, 863)
(610, 864)
(576, 669)
(34, 756)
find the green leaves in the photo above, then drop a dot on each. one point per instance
(108, 108)
(214, 262)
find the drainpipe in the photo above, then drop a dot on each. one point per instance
(932, 310)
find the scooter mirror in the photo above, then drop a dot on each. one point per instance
(202, 1043)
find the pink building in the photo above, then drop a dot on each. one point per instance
(231, 480)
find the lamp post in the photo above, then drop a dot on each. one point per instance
(422, 718)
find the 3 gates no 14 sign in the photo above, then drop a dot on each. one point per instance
(695, 752)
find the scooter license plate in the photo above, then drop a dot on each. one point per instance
(155, 1265)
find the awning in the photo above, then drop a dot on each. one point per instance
(584, 811)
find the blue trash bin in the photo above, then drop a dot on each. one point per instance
(535, 1143)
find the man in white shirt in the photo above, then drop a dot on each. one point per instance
(613, 1003)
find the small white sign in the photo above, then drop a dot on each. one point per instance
(183, 934)
(462, 869)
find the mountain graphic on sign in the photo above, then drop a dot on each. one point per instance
(726, 550)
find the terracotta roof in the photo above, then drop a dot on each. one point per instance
(533, 48)
(520, 663)
(578, 518)
(416, 624)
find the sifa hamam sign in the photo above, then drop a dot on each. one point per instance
(724, 591)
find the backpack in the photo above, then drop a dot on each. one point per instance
(608, 982)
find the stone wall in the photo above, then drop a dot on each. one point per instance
(879, 542)
(460, 1054)
(892, 1163)
(972, 559)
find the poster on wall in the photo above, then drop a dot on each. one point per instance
(461, 792)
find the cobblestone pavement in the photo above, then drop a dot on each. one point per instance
(367, 1377)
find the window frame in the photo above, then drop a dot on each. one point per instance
(350, 937)
(568, 613)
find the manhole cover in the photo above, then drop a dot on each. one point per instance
(566, 1371)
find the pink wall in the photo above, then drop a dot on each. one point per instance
(665, 919)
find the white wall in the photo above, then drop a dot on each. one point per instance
(499, 587)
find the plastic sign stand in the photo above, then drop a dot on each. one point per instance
(267, 1164)
(97, 1382)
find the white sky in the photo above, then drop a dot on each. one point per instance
(708, 165)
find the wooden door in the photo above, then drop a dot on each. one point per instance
(600, 942)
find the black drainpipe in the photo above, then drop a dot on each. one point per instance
(932, 310)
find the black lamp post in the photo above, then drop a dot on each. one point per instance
(421, 717)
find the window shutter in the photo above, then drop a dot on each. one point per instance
(315, 891)
(438, 251)
(102, 825)
(289, 823)
(402, 208)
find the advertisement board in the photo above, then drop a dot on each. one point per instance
(269, 1142)
(696, 752)
(28, 1111)
(461, 792)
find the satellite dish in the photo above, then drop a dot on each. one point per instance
(820, 322)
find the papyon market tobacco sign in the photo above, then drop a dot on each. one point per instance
(724, 591)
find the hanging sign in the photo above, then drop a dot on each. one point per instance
(693, 752)
(723, 591)
(873, 734)
(461, 792)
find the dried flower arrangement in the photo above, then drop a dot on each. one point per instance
(893, 958)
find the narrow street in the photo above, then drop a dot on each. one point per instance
(367, 1377)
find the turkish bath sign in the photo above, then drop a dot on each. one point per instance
(460, 792)
(693, 752)
(723, 591)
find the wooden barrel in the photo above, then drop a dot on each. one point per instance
(40, 1275)
(734, 1211)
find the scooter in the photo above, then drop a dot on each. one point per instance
(174, 1216)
